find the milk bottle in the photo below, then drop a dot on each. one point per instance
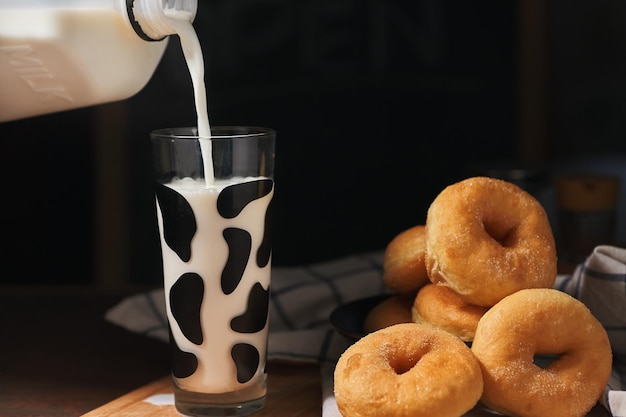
(65, 54)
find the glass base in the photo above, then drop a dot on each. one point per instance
(197, 409)
(199, 404)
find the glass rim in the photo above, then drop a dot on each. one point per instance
(217, 132)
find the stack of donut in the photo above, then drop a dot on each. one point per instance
(483, 239)
(480, 271)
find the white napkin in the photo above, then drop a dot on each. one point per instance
(302, 299)
(600, 283)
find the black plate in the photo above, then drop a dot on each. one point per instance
(348, 318)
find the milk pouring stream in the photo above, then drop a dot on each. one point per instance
(65, 54)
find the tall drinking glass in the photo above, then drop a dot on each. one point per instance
(214, 213)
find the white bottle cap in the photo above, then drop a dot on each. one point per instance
(151, 18)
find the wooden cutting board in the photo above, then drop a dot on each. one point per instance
(293, 390)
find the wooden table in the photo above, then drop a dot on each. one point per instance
(59, 357)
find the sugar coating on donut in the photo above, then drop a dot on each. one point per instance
(393, 310)
(487, 238)
(407, 370)
(542, 322)
(404, 268)
(439, 306)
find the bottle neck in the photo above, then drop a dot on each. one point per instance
(151, 18)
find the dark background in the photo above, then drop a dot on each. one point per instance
(378, 105)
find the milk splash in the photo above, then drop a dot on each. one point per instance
(195, 62)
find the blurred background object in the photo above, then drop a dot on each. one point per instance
(405, 96)
(586, 206)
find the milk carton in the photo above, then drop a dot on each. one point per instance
(65, 54)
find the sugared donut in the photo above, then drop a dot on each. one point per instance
(393, 310)
(404, 270)
(407, 370)
(439, 306)
(542, 322)
(487, 238)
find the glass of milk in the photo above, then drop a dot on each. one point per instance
(214, 213)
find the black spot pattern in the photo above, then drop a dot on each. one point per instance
(185, 301)
(254, 318)
(246, 358)
(239, 246)
(234, 198)
(179, 222)
(186, 294)
(184, 364)
(265, 249)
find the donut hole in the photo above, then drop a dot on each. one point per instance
(402, 364)
(545, 360)
(501, 233)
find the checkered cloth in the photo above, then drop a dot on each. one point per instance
(600, 283)
(302, 299)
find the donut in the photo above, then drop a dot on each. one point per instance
(407, 370)
(487, 238)
(542, 321)
(439, 306)
(404, 270)
(393, 310)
